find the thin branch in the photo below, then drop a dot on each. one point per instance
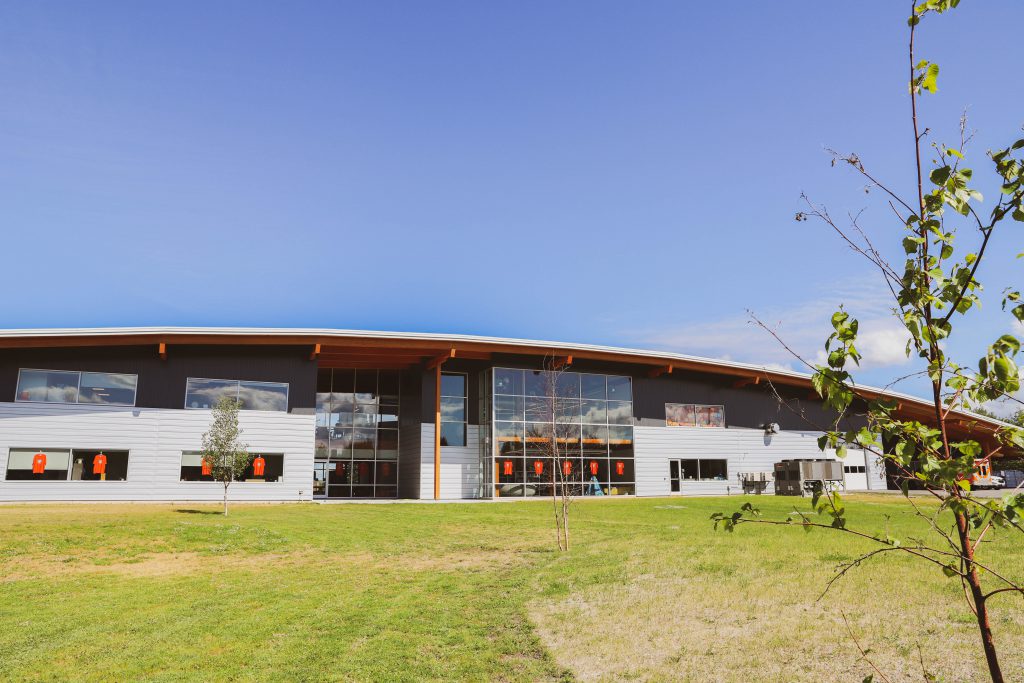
(854, 160)
(1011, 589)
(863, 652)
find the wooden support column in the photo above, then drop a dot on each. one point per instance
(435, 364)
(437, 432)
(162, 350)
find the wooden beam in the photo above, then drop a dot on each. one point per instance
(371, 358)
(331, 349)
(437, 361)
(561, 362)
(657, 372)
(746, 382)
(316, 352)
(162, 350)
(349, 365)
(437, 430)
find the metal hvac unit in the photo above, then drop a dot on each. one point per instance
(801, 476)
(755, 482)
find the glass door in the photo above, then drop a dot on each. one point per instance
(319, 479)
(673, 476)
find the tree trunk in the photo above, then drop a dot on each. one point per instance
(554, 505)
(225, 500)
(565, 521)
(980, 606)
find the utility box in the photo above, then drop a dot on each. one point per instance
(801, 476)
(755, 482)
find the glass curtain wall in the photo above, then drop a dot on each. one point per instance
(586, 419)
(357, 433)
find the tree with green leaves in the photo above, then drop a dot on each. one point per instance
(932, 292)
(223, 451)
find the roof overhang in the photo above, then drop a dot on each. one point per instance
(359, 348)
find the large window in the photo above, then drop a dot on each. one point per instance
(704, 469)
(585, 419)
(357, 433)
(694, 415)
(72, 386)
(271, 469)
(453, 409)
(204, 393)
(66, 464)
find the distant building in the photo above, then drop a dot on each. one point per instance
(340, 414)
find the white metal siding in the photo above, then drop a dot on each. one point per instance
(873, 478)
(155, 439)
(747, 450)
(460, 465)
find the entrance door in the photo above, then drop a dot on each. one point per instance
(319, 479)
(673, 476)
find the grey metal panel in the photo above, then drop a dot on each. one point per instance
(155, 439)
(162, 382)
(460, 466)
(751, 406)
(747, 450)
(409, 444)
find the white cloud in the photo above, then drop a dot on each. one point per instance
(803, 327)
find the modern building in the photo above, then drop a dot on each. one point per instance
(336, 414)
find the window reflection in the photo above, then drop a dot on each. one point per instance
(453, 409)
(584, 418)
(263, 396)
(108, 388)
(361, 415)
(67, 386)
(202, 393)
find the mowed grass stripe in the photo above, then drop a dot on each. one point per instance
(467, 592)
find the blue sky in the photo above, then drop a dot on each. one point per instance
(606, 172)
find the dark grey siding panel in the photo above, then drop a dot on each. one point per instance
(409, 439)
(162, 382)
(472, 369)
(750, 406)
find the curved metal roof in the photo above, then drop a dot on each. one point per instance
(427, 342)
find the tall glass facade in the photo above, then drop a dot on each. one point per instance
(356, 434)
(584, 420)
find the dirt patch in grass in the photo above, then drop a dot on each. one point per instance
(30, 568)
(690, 628)
(153, 565)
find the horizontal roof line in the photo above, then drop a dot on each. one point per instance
(167, 334)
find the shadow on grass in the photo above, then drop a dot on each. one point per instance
(189, 511)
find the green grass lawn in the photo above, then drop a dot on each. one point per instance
(473, 592)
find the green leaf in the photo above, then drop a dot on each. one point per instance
(930, 82)
(940, 175)
(1003, 367)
